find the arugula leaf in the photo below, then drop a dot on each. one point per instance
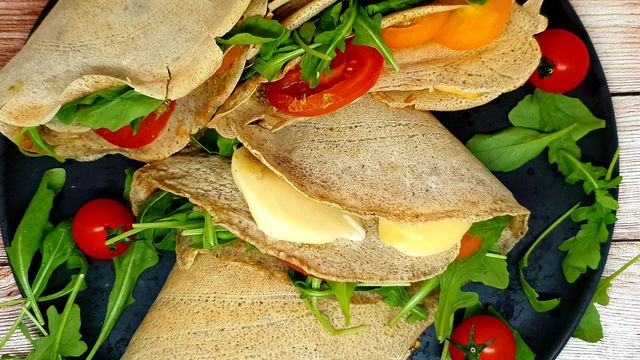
(272, 67)
(213, 143)
(369, 33)
(590, 328)
(313, 67)
(56, 248)
(64, 331)
(129, 266)
(343, 291)
(425, 289)
(128, 173)
(388, 6)
(479, 267)
(531, 294)
(549, 112)
(399, 297)
(29, 233)
(111, 108)
(36, 138)
(254, 30)
(583, 250)
(511, 148)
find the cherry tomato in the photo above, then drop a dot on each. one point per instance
(475, 25)
(150, 128)
(565, 61)
(353, 73)
(485, 329)
(414, 33)
(91, 223)
(469, 245)
(294, 267)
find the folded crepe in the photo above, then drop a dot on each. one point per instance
(431, 76)
(368, 159)
(162, 49)
(233, 304)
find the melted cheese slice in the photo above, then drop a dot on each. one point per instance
(424, 239)
(455, 91)
(283, 212)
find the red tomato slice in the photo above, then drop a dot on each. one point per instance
(150, 129)
(353, 73)
(90, 227)
(565, 62)
(485, 329)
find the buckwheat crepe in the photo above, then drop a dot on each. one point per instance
(164, 49)
(247, 308)
(369, 159)
(481, 75)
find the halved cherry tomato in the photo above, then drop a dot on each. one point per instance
(353, 73)
(487, 330)
(294, 267)
(415, 33)
(565, 62)
(150, 128)
(90, 225)
(469, 245)
(475, 25)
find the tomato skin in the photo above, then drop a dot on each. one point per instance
(416, 33)
(565, 61)
(475, 25)
(90, 224)
(485, 328)
(469, 245)
(294, 267)
(150, 128)
(353, 73)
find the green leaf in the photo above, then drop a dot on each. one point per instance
(478, 267)
(29, 233)
(329, 19)
(129, 266)
(511, 148)
(213, 143)
(399, 297)
(590, 328)
(549, 112)
(36, 138)
(343, 291)
(69, 331)
(388, 6)
(57, 247)
(112, 108)
(128, 173)
(254, 30)
(272, 67)
(369, 33)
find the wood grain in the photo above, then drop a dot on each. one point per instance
(614, 28)
(621, 317)
(16, 21)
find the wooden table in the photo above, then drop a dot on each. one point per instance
(614, 26)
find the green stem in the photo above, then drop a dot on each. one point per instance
(384, 285)
(35, 321)
(524, 262)
(423, 292)
(612, 166)
(65, 316)
(138, 228)
(580, 167)
(445, 350)
(307, 49)
(496, 256)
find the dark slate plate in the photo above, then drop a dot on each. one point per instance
(537, 186)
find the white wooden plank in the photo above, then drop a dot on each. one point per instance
(8, 291)
(614, 28)
(621, 318)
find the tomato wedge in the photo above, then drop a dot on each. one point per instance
(353, 73)
(150, 128)
(475, 25)
(469, 245)
(415, 33)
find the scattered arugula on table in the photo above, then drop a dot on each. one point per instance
(590, 328)
(317, 40)
(557, 122)
(111, 108)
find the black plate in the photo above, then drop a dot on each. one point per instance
(537, 186)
